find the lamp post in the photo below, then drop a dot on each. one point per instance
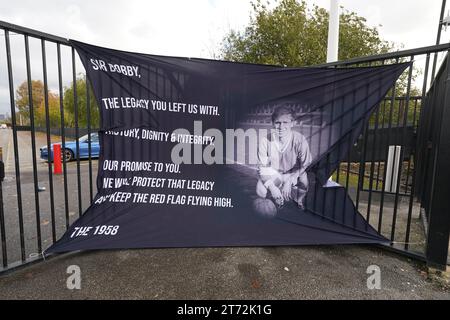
(333, 37)
(333, 31)
(438, 40)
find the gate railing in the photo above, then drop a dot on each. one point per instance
(412, 117)
(433, 172)
(31, 220)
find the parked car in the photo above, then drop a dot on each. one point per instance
(3, 126)
(70, 149)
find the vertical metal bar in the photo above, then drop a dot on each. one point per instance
(438, 38)
(415, 112)
(2, 228)
(366, 136)
(339, 163)
(400, 108)
(439, 219)
(47, 121)
(63, 134)
(432, 107)
(380, 217)
(2, 214)
(402, 151)
(372, 163)
(361, 172)
(88, 118)
(362, 163)
(309, 143)
(33, 145)
(412, 149)
(411, 196)
(350, 147)
(338, 169)
(16, 148)
(422, 124)
(383, 110)
(347, 173)
(425, 131)
(316, 188)
(341, 119)
(77, 131)
(326, 190)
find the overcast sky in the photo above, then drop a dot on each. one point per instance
(191, 28)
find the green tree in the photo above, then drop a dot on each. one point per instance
(69, 110)
(290, 34)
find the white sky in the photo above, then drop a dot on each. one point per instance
(183, 28)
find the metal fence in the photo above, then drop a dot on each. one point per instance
(433, 170)
(397, 183)
(31, 220)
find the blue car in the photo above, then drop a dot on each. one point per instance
(70, 150)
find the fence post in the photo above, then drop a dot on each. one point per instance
(439, 221)
(2, 214)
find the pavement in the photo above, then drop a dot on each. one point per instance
(312, 272)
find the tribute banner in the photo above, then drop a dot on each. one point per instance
(204, 153)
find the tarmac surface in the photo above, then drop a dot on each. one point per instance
(65, 206)
(314, 272)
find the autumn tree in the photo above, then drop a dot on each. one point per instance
(22, 98)
(54, 113)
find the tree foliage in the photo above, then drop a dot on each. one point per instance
(69, 105)
(53, 112)
(22, 99)
(54, 108)
(290, 34)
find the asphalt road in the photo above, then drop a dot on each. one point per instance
(305, 272)
(32, 218)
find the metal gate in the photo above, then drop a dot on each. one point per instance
(400, 180)
(37, 206)
(49, 99)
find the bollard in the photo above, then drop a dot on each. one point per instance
(57, 169)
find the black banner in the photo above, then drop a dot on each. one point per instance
(199, 152)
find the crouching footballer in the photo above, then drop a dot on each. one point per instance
(283, 158)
